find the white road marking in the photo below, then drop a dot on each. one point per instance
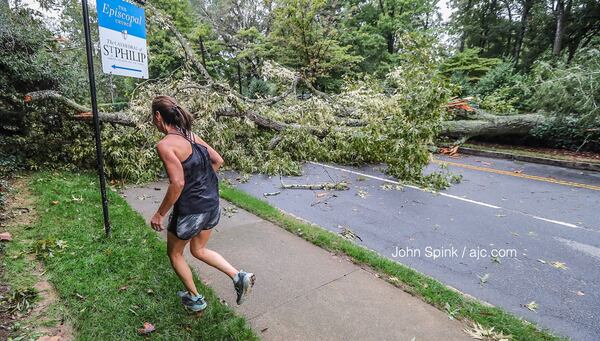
(585, 248)
(449, 196)
(404, 185)
(555, 221)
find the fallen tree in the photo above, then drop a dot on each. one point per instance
(480, 123)
(274, 135)
(476, 123)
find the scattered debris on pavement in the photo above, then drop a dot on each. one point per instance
(361, 193)
(338, 186)
(532, 306)
(229, 211)
(348, 233)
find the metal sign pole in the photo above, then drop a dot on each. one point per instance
(99, 157)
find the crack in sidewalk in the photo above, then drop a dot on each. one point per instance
(302, 294)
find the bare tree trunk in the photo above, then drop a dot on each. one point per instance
(239, 76)
(510, 20)
(558, 35)
(203, 52)
(527, 5)
(463, 36)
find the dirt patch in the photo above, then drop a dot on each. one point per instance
(6, 321)
(17, 212)
(61, 330)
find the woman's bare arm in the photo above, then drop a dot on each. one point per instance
(176, 182)
(215, 158)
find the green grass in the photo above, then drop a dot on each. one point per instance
(430, 290)
(110, 287)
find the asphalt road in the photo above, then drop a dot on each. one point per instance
(510, 233)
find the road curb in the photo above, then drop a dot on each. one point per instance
(589, 166)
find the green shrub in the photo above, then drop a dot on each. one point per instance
(259, 88)
(469, 64)
(568, 132)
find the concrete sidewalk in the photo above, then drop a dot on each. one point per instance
(303, 292)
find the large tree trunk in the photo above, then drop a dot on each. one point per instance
(483, 124)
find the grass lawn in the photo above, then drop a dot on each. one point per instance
(109, 287)
(430, 290)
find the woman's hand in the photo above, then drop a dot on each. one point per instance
(157, 222)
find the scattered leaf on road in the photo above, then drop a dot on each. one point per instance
(559, 265)
(532, 306)
(483, 279)
(495, 260)
(362, 194)
(386, 187)
(348, 233)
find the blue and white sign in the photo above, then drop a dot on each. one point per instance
(122, 28)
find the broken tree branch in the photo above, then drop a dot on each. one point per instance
(338, 186)
(83, 112)
(270, 123)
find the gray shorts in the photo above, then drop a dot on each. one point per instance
(188, 226)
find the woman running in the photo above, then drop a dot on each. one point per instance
(193, 192)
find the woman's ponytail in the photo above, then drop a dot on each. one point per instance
(186, 120)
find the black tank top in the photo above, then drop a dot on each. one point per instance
(200, 193)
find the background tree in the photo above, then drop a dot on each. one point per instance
(305, 37)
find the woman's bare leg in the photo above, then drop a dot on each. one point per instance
(175, 248)
(210, 257)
